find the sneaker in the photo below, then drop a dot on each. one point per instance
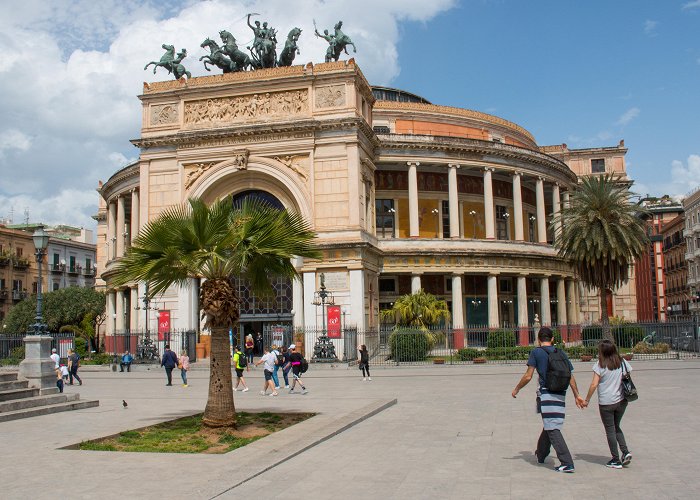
(539, 460)
(369, 378)
(614, 464)
(262, 393)
(627, 459)
(363, 379)
(291, 391)
(286, 386)
(565, 468)
(274, 393)
(184, 385)
(236, 389)
(245, 390)
(304, 391)
(277, 387)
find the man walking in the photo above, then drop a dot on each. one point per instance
(169, 362)
(269, 359)
(73, 365)
(55, 357)
(551, 404)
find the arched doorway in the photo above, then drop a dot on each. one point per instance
(270, 316)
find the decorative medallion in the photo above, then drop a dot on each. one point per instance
(163, 114)
(332, 96)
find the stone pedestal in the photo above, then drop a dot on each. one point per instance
(37, 366)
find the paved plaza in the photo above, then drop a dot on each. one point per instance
(412, 432)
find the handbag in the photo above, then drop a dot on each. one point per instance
(629, 391)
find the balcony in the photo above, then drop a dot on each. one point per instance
(20, 263)
(74, 271)
(57, 268)
(18, 295)
(89, 273)
(3, 294)
(4, 260)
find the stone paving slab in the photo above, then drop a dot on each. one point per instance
(454, 432)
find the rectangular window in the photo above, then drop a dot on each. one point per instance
(506, 285)
(18, 252)
(502, 217)
(2, 283)
(71, 263)
(445, 218)
(17, 285)
(385, 218)
(56, 260)
(88, 264)
(598, 166)
(34, 287)
(387, 285)
(531, 227)
(55, 286)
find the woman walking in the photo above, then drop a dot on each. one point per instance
(607, 380)
(184, 365)
(249, 346)
(364, 362)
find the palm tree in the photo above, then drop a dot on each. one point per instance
(601, 232)
(252, 240)
(418, 310)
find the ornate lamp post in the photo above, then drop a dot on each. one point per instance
(41, 241)
(147, 349)
(324, 350)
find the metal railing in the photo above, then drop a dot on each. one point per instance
(149, 347)
(12, 345)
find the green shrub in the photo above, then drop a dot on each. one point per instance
(500, 339)
(409, 345)
(98, 359)
(505, 353)
(628, 335)
(469, 353)
(577, 351)
(80, 346)
(16, 357)
(644, 348)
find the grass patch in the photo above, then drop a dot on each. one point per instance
(188, 435)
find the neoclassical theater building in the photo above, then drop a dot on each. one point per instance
(403, 194)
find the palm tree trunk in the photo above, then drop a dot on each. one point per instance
(220, 410)
(604, 320)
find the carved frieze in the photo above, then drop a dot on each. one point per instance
(246, 108)
(332, 96)
(195, 171)
(296, 164)
(163, 114)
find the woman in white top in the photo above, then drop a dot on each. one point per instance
(607, 379)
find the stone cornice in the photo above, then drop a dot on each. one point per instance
(308, 126)
(448, 110)
(125, 175)
(461, 146)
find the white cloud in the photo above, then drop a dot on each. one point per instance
(650, 27)
(69, 206)
(628, 116)
(70, 72)
(691, 5)
(685, 177)
(14, 139)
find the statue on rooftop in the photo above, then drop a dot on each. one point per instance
(337, 42)
(170, 62)
(264, 48)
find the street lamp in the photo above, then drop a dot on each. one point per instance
(41, 241)
(473, 214)
(344, 310)
(324, 350)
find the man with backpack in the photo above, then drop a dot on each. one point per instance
(299, 365)
(555, 376)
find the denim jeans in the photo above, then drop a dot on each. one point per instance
(611, 415)
(275, 378)
(183, 374)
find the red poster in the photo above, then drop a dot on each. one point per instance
(163, 324)
(334, 322)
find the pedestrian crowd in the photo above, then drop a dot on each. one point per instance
(611, 382)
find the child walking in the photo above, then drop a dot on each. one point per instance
(364, 362)
(184, 367)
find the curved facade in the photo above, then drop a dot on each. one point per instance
(403, 194)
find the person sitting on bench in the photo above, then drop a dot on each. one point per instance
(127, 358)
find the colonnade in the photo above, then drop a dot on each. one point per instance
(489, 212)
(566, 299)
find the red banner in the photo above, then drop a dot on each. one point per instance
(163, 324)
(334, 322)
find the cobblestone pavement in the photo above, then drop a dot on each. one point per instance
(411, 432)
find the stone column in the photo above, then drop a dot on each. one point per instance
(545, 317)
(413, 231)
(298, 296)
(556, 208)
(493, 301)
(561, 309)
(111, 311)
(111, 230)
(571, 307)
(135, 220)
(453, 201)
(134, 326)
(119, 311)
(565, 196)
(541, 218)
(518, 207)
(37, 366)
(415, 283)
(523, 320)
(489, 216)
(457, 302)
(121, 228)
(356, 310)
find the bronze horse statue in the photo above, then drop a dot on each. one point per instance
(342, 41)
(171, 63)
(240, 59)
(290, 48)
(216, 57)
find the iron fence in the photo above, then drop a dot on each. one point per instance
(149, 347)
(12, 345)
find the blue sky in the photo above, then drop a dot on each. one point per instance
(584, 73)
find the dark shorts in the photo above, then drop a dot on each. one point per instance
(268, 375)
(296, 370)
(239, 372)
